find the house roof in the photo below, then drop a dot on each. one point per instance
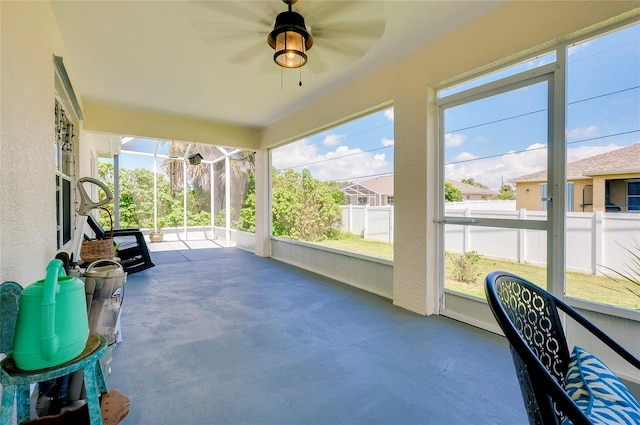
(383, 185)
(619, 161)
(471, 190)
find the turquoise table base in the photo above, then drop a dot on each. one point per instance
(16, 382)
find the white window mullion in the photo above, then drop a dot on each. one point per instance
(556, 267)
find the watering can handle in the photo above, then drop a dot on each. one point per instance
(49, 339)
(86, 204)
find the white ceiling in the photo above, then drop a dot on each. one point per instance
(210, 60)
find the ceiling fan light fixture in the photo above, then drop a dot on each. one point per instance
(290, 50)
(290, 40)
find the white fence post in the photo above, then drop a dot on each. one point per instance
(522, 238)
(390, 210)
(366, 221)
(466, 233)
(350, 218)
(596, 244)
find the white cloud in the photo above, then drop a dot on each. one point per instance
(465, 156)
(332, 139)
(454, 139)
(583, 132)
(294, 154)
(493, 171)
(582, 152)
(343, 163)
(387, 142)
(389, 114)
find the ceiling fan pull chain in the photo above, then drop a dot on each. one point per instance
(300, 83)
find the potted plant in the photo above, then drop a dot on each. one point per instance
(156, 235)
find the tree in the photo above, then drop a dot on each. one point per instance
(136, 198)
(247, 221)
(472, 182)
(451, 193)
(506, 193)
(303, 207)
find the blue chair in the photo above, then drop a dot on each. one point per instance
(16, 382)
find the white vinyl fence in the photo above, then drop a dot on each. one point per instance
(593, 240)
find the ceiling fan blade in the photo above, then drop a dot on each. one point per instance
(317, 64)
(257, 12)
(237, 23)
(267, 65)
(257, 56)
(373, 30)
(342, 10)
(214, 34)
(248, 54)
(345, 50)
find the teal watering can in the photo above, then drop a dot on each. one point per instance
(52, 326)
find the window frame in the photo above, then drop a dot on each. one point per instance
(635, 209)
(64, 152)
(559, 167)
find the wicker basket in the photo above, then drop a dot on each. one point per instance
(98, 249)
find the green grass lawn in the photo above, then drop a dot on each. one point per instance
(579, 285)
(355, 243)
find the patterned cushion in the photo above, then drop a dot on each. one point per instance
(598, 392)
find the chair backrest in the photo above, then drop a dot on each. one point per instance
(9, 303)
(99, 231)
(529, 318)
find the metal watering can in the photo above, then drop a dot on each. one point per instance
(52, 326)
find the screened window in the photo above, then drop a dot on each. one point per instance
(596, 147)
(316, 178)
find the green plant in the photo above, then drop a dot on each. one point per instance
(465, 267)
(451, 193)
(631, 276)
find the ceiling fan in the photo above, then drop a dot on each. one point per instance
(340, 32)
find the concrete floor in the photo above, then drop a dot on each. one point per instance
(221, 336)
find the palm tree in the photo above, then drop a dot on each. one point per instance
(241, 162)
(172, 166)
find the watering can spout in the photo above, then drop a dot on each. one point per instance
(49, 339)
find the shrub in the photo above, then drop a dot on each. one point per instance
(464, 267)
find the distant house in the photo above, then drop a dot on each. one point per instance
(374, 192)
(473, 193)
(606, 182)
(379, 191)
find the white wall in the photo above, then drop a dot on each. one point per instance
(28, 41)
(370, 274)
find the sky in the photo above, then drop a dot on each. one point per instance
(499, 138)
(357, 150)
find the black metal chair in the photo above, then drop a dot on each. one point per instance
(529, 317)
(132, 250)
